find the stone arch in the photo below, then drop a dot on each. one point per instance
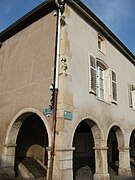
(16, 123)
(119, 134)
(116, 145)
(95, 128)
(132, 150)
(87, 137)
(132, 142)
(131, 133)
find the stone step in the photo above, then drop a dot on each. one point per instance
(30, 168)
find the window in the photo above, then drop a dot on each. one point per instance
(114, 87)
(101, 43)
(132, 96)
(100, 40)
(102, 80)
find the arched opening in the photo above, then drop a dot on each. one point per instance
(114, 142)
(113, 154)
(32, 141)
(83, 155)
(28, 137)
(132, 152)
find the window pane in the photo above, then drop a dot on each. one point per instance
(99, 45)
(92, 61)
(113, 76)
(101, 73)
(101, 84)
(101, 93)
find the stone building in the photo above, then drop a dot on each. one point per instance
(93, 121)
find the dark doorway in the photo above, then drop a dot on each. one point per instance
(32, 141)
(83, 156)
(132, 152)
(113, 153)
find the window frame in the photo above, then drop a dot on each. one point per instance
(114, 87)
(131, 90)
(101, 44)
(100, 79)
(108, 80)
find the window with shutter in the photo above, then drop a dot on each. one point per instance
(114, 87)
(132, 96)
(92, 74)
(133, 99)
(100, 82)
(103, 81)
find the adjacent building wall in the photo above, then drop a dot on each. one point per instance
(26, 71)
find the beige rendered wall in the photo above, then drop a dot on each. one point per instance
(79, 40)
(26, 71)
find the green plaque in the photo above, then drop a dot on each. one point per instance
(47, 111)
(68, 115)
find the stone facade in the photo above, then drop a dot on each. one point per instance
(98, 133)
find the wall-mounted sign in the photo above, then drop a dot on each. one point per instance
(47, 111)
(68, 115)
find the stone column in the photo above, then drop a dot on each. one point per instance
(124, 162)
(8, 161)
(101, 165)
(62, 168)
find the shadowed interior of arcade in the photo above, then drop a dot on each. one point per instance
(132, 152)
(83, 155)
(32, 140)
(113, 153)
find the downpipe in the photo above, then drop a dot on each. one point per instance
(60, 9)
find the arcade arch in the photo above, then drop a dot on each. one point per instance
(28, 135)
(118, 153)
(87, 156)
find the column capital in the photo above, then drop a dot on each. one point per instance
(61, 149)
(10, 145)
(100, 148)
(123, 148)
(64, 149)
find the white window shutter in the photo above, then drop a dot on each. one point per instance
(114, 86)
(107, 83)
(92, 74)
(130, 89)
(133, 99)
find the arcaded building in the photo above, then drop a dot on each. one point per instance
(61, 51)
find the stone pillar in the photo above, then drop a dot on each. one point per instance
(8, 161)
(62, 168)
(124, 162)
(101, 165)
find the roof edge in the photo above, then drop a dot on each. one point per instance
(87, 12)
(32, 16)
(48, 6)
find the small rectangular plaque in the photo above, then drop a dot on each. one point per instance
(68, 115)
(47, 111)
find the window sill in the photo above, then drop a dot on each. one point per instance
(101, 51)
(132, 109)
(103, 100)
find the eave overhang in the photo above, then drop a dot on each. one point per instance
(103, 28)
(47, 7)
(34, 15)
